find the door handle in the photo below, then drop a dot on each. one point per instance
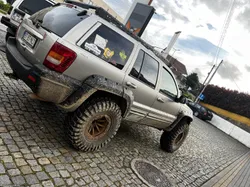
(160, 100)
(131, 85)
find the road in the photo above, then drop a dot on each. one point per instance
(34, 151)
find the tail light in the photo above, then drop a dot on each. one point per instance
(59, 58)
(205, 113)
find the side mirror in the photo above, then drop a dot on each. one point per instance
(182, 100)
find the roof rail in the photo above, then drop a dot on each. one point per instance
(108, 17)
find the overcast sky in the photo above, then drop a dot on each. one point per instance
(201, 23)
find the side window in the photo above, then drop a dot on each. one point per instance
(109, 46)
(168, 86)
(135, 72)
(145, 69)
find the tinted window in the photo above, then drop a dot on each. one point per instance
(168, 85)
(109, 46)
(137, 66)
(145, 69)
(30, 6)
(58, 20)
(149, 71)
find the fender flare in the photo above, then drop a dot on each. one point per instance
(93, 84)
(182, 115)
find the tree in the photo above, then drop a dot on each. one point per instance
(193, 81)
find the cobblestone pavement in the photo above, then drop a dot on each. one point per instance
(34, 152)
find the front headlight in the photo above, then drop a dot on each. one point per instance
(17, 17)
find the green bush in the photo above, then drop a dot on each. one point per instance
(229, 100)
(4, 7)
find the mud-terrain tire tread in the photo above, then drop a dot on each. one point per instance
(76, 121)
(167, 140)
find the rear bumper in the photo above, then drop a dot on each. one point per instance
(11, 27)
(44, 83)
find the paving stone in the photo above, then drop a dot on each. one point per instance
(17, 155)
(70, 181)
(59, 182)
(37, 168)
(18, 180)
(31, 179)
(10, 165)
(4, 180)
(25, 170)
(64, 173)
(49, 168)
(54, 174)
(43, 161)
(42, 176)
(48, 183)
(36, 185)
(14, 172)
(80, 182)
(32, 162)
(7, 159)
(13, 148)
(2, 169)
(20, 162)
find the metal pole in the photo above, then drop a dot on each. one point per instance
(197, 98)
(172, 57)
(208, 75)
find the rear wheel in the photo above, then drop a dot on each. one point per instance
(93, 124)
(172, 140)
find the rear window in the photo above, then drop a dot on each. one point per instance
(28, 6)
(58, 20)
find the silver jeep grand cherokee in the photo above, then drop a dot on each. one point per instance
(82, 59)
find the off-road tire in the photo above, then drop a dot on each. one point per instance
(169, 140)
(79, 123)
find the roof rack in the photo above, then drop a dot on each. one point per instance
(108, 17)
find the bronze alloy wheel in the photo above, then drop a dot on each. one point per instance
(179, 138)
(93, 124)
(98, 127)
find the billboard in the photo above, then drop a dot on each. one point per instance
(139, 18)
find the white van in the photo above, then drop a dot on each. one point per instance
(21, 9)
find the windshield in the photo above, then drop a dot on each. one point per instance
(58, 20)
(28, 6)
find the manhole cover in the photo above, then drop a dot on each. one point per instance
(150, 174)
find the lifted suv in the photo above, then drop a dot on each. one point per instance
(85, 61)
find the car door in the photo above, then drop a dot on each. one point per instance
(142, 77)
(168, 109)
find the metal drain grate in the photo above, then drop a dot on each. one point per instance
(150, 174)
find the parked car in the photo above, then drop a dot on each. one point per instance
(200, 111)
(85, 61)
(21, 9)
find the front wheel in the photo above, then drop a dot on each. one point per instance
(172, 140)
(93, 124)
